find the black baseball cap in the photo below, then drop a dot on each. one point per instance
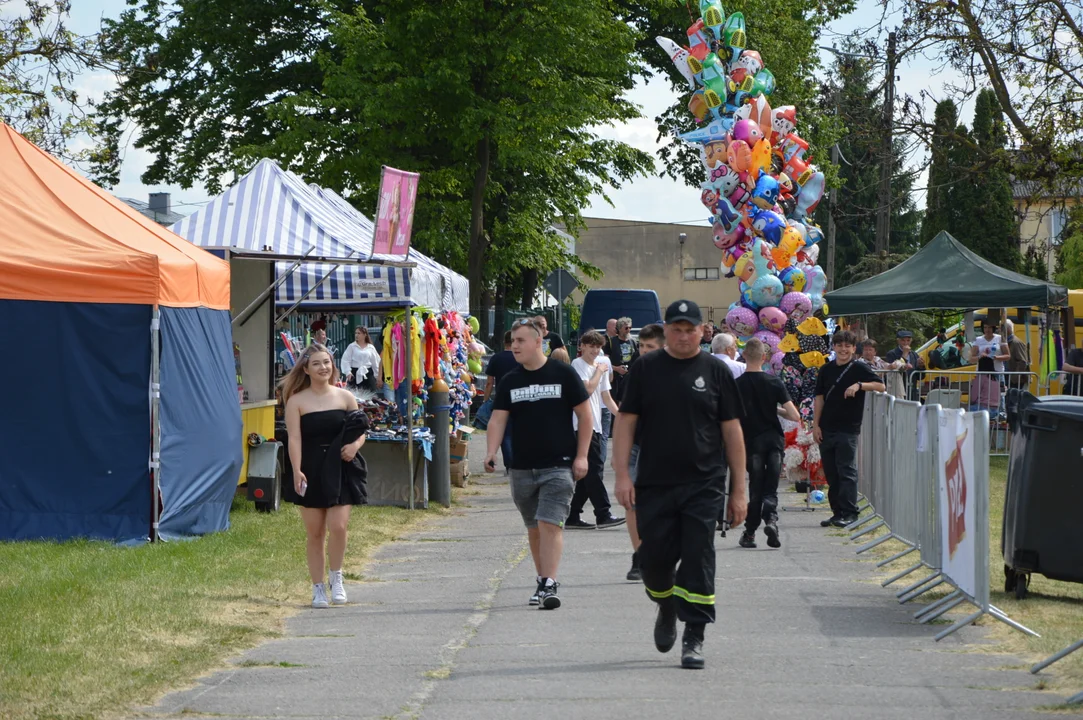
(684, 310)
(904, 334)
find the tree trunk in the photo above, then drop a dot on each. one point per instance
(499, 305)
(530, 287)
(478, 241)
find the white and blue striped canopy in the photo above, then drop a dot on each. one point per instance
(272, 210)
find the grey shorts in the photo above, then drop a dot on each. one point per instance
(543, 495)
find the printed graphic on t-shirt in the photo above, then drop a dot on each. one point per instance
(545, 347)
(700, 385)
(531, 393)
(626, 350)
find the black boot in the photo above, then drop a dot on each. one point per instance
(692, 647)
(665, 625)
(635, 574)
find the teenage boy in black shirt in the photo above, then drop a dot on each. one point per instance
(689, 408)
(540, 397)
(836, 424)
(765, 399)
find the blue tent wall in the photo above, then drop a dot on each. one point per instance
(75, 421)
(200, 420)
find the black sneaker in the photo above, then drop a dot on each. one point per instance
(692, 654)
(829, 522)
(609, 522)
(771, 531)
(534, 598)
(635, 574)
(844, 521)
(547, 596)
(747, 540)
(578, 524)
(665, 626)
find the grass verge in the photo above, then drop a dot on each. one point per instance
(89, 628)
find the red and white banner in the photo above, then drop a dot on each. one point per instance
(395, 212)
(958, 501)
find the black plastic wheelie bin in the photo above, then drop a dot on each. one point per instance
(1042, 532)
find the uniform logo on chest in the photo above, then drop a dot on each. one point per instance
(699, 385)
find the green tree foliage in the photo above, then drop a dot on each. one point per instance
(492, 102)
(39, 61)
(970, 192)
(784, 32)
(851, 90)
(1070, 253)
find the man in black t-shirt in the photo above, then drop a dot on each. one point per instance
(623, 350)
(688, 409)
(765, 398)
(500, 365)
(550, 340)
(540, 397)
(836, 424)
(651, 337)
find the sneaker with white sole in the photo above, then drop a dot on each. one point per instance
(547, 595)
(319, 596)
(534, 599)
(338, 593)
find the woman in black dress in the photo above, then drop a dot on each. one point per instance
(326, 431)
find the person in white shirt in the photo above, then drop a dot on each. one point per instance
(360, 363)
(990, 345)
(595, 375)
(724, 347)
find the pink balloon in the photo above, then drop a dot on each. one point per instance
(796, 305)
(747, 130)
(770, 339)
(773, 319)
(742, 322)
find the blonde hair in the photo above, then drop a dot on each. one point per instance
(297, 379)
(562, 355)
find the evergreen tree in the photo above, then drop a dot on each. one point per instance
(938, 207)
(852, 94)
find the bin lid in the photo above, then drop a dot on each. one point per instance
(1065, 406)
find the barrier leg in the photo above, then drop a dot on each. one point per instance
(1003, 617)
(956, 602)
(911, 588)
(1038, 667)
(901, 575)
(874, 543)
(959, 625)
(896, 556)
(1075, 699)
(933, 607)
(869, 529)
(861, 521)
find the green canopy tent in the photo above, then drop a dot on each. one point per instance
(944, 275)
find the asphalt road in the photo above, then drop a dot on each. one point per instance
(440, 629)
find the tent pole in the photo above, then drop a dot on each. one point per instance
(244, 315)
(408, 332)
(155, 425)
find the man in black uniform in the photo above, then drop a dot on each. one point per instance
(688, 410)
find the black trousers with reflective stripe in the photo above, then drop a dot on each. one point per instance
(677, 525)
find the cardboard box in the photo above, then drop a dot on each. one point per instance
(459, 450)
(460, 471)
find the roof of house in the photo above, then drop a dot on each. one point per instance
(167, 218)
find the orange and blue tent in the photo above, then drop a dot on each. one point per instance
(88, 289)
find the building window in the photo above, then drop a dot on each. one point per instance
(708, 273)
(1058, 218)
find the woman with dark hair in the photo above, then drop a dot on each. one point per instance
(326, 432)
(361, 363)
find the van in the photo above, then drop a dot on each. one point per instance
(641, 306)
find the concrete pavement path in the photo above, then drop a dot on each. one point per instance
(441, 630)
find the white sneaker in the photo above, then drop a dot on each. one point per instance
(319, 596)
(338, 593)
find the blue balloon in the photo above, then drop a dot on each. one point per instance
(770, 225)
(767, 291)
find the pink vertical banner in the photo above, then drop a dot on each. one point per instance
(395, 212)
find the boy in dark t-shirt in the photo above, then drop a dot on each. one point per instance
(837, 410)
(540, 396)
(690, 410)
(765, 398)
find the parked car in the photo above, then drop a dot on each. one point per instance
(641, 306)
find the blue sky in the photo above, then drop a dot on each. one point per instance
(651, 199)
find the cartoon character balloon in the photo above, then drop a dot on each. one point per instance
(796, 305)
(773, 319)
(742, 322)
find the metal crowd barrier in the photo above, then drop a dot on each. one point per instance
(1038, 667)
(904, 478)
